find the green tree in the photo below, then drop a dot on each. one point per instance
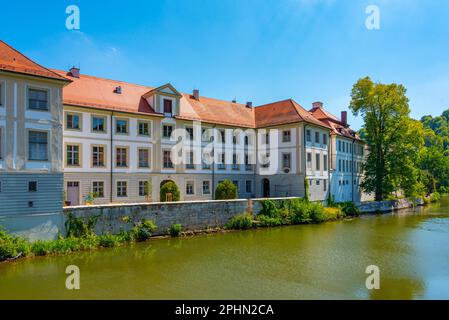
(391, 136)
(169, 187)
(226, 190)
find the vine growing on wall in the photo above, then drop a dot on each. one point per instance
(76, 227)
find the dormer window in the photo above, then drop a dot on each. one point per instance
(168, 108)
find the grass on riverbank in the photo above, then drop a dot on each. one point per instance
(293, 212)
(13, 247)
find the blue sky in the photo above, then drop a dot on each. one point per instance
(251, 50)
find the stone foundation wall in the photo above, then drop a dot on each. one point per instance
(386, 206)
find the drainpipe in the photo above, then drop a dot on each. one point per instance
(112, 158)
(213, 162)
(329, 161)
(352, 170)
(305, 158)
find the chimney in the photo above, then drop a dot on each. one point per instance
(344, 118)
(196, 94)
(118, 90)
(75, 72)
(249, 104)
(317, 104)
(234, 100)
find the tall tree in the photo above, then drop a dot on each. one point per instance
(393, 138)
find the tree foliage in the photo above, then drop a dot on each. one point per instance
(226, 190)
(394, 139)
(169, 187)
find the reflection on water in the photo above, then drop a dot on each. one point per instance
(325, 261)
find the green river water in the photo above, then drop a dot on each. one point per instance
(326, 261)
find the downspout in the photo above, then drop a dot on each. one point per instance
(305, 159)
(256, 156)
(213, 163)
(112, 158)
(352, 170)
(329, 162)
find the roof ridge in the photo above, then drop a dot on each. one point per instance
(31, 60)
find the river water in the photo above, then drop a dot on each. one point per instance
(327, 261)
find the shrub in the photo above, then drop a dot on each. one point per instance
(316, 212)
(300, 212)
(349, 209)
(269, 209)
(435, 197)
(333, 214)
(269, 221)
(143, 231)
(108, 241)
(241, 222)
(175, 230)
(12, 247)
(76, 227)
(226, 190)
(169, 187)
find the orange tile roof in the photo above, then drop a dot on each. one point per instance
(216, 111)
(89, 91)
(12, 60)
(334, 123)
(284, 112)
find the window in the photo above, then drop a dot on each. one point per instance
(249, 186)
(98, 156)
(248, 165)
(325, 162)
(190, 189)
(189, 161)
(344, 146)
(144, 188)
(32, 186)
(37, 145)
(121, 157)
(206, 161)
(1, 93)
(347, 165)
(168, 164)
(0, 182)
(1, 144)
(317, 182)
(206, 135)
(324, 185)
(317, 137)
(121, 126)
(235, 165)
(144, 158)
(167, 131)
(236, 184)
(308, 136)
(189, 133)
(223, 136)
(234, 139)
(168, 108)
(37, 99)
(206, 187)
(98, 124)
(267, 138)
(317, 160)
(122, 189)
(73, 155)
(246, 140)
(325, 139)
(286, 160)
(309, 160)
(144, 128)
(339, 165)
(98, 188)
(286, 136)
(72, 121)
(222, 161)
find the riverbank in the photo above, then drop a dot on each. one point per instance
(81, 235)
(315, 261)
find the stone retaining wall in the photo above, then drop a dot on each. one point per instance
(387, 206)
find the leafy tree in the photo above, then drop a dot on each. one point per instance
(169, 187)
(226, 190)
(394, 139)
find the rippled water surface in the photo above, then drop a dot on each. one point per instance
(326, 261)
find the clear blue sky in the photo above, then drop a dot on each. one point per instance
(251, 50)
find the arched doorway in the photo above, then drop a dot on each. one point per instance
(266, 188)
(169, 191)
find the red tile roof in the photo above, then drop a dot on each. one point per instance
(12, 60)
(283, 112)
(334, 123)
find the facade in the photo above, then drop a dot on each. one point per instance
(348, 154)
(30, 136)
(117, 142)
